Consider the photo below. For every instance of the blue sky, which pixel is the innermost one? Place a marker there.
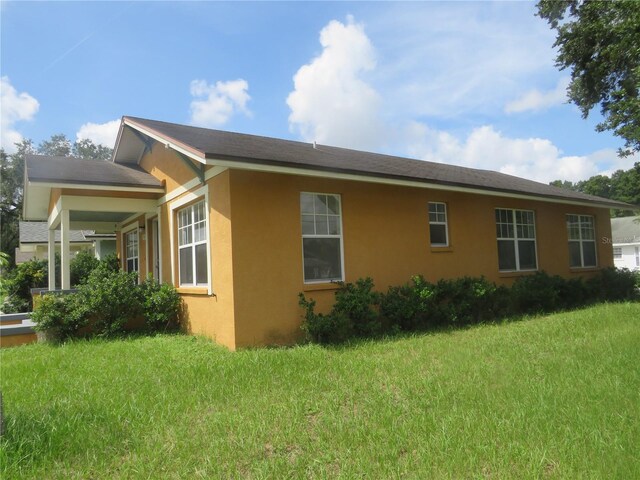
(469, 83)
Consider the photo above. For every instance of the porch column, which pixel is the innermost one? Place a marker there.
(52, 258)
(64, 249)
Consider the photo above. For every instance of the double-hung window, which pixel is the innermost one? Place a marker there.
(438, 231)
(516, 233)
(192, 245)
(582, 241)
(131, 250)
(617, 253)
(321, 237)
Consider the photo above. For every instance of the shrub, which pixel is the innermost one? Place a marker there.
(160, 305)
(422, 305)
(18, 282)
(61, 316)
(324, 329)
(468, 300)
(81, 266)
(358, 302)
(111, 300)
(613, 285)
(537, 293)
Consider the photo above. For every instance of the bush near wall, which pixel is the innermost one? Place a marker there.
(109, 304)
(419, 305)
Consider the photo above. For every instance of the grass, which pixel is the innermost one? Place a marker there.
(549, 397)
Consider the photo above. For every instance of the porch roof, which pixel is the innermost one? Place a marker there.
(77, 171)
(43, 173)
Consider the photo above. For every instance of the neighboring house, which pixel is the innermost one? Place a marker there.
(241, 224)
(625, 236)
(34, 242)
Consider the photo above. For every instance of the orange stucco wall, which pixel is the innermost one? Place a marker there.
(165, 165)
(204, 314)
(385, 235)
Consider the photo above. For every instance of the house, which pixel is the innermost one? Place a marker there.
(34, 242)
(241, 224)
(625, 236)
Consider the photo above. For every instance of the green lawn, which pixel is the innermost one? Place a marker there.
(550, 397)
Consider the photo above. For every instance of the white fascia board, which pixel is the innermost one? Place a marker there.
(118, 138)
(167, 143)
(107, 204)
(391, 181)
(93, 186)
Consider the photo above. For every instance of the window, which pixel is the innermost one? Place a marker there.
(617, 252)
(582, 241)
(321, 237)
(516, 232)
(192, 245)
(131, 250)
(438, 231)
(637, 256)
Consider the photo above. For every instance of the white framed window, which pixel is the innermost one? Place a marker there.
(516, 234)
(322, 255)
(438, 228)
(193, 267)
(131, 250)
(582, 241)
(637, 256)
(617, 252)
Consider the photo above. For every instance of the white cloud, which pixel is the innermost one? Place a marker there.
(16, 107)
(533, 158)
(535, 100)
(331, 101)
(100, 133)
(215, 104)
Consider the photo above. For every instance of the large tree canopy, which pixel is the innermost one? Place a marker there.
(623, 186)
(12, 177)
(600, 42)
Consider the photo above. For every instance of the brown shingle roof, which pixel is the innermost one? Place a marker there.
(70, 170)
(217, 144)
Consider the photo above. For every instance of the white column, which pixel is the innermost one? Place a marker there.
(64, 249)
(52, 259)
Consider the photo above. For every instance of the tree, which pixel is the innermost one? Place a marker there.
(600, 42)
(12, 178)
(563, 184)
(87, 149)
(57, 146)
(623, 186)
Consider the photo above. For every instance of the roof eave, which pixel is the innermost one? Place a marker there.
(115, 186)
(284, 167)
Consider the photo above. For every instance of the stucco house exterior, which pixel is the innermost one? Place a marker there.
(625, 236)
(241, 224)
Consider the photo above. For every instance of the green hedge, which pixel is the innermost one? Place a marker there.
(108, 304)
(419, 305)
